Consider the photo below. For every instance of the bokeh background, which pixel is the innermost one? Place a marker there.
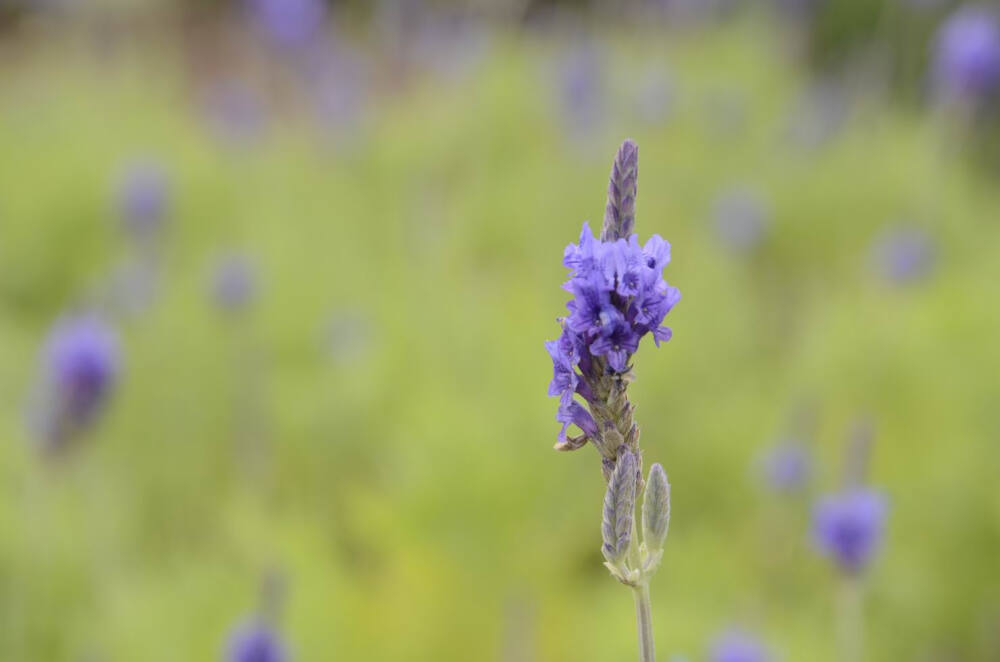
(328, 239)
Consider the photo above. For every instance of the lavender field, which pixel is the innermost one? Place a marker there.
(277, 278)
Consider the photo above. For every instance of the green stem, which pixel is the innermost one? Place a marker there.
(644, 621)
(850, 634)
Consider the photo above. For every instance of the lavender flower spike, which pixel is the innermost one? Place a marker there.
(619, 215)
(80, 366)
(619, 297)
(848, 527)
(255, 641)
(738, 646)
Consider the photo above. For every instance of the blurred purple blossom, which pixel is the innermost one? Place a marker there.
(234, 282)
(848, 527)
(654, 96)
(738, 646)
(819, 114)
(787, 466)
(741, 219)
(337, 80)
(580, 87)
(966, 65)
(235, 112)
(80, 363)
(289, 24)
(255, 641)
(143, 196)
(904, 255)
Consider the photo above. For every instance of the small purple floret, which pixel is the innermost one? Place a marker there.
(738, 646)
(255, 642)
(848, 527)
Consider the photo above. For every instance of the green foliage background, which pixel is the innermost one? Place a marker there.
(406, 489)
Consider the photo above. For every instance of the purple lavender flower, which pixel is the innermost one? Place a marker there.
(234, 283)
(904, 255)
(848, 527)
(255, 641)
(787, 466)
(80, 366)
(288, 24)
(143, 197)
(741, 219)
(738, 646)
(619, 296)
(966, 64)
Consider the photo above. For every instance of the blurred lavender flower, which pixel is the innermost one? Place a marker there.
(143, 199)
(904, 255)
(234, 282)
(337, 83)
(848, 527)
(741, 219)
(447, 44)
(235, 112)
(80, 365)
(289, 24)
(787, 466)
(255, 641)
(581, 89)
(966, 65)
(819, 115)
(654, 96)
(738, 646)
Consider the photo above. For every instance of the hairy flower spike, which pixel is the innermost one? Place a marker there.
(619, 215)
(656, 508)
(619, 297)
(619, 509)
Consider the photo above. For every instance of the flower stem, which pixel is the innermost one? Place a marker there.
(850, 620)
(644, 621)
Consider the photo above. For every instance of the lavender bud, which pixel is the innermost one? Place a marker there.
(619, 215)
(656, 508)
(619, 509)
